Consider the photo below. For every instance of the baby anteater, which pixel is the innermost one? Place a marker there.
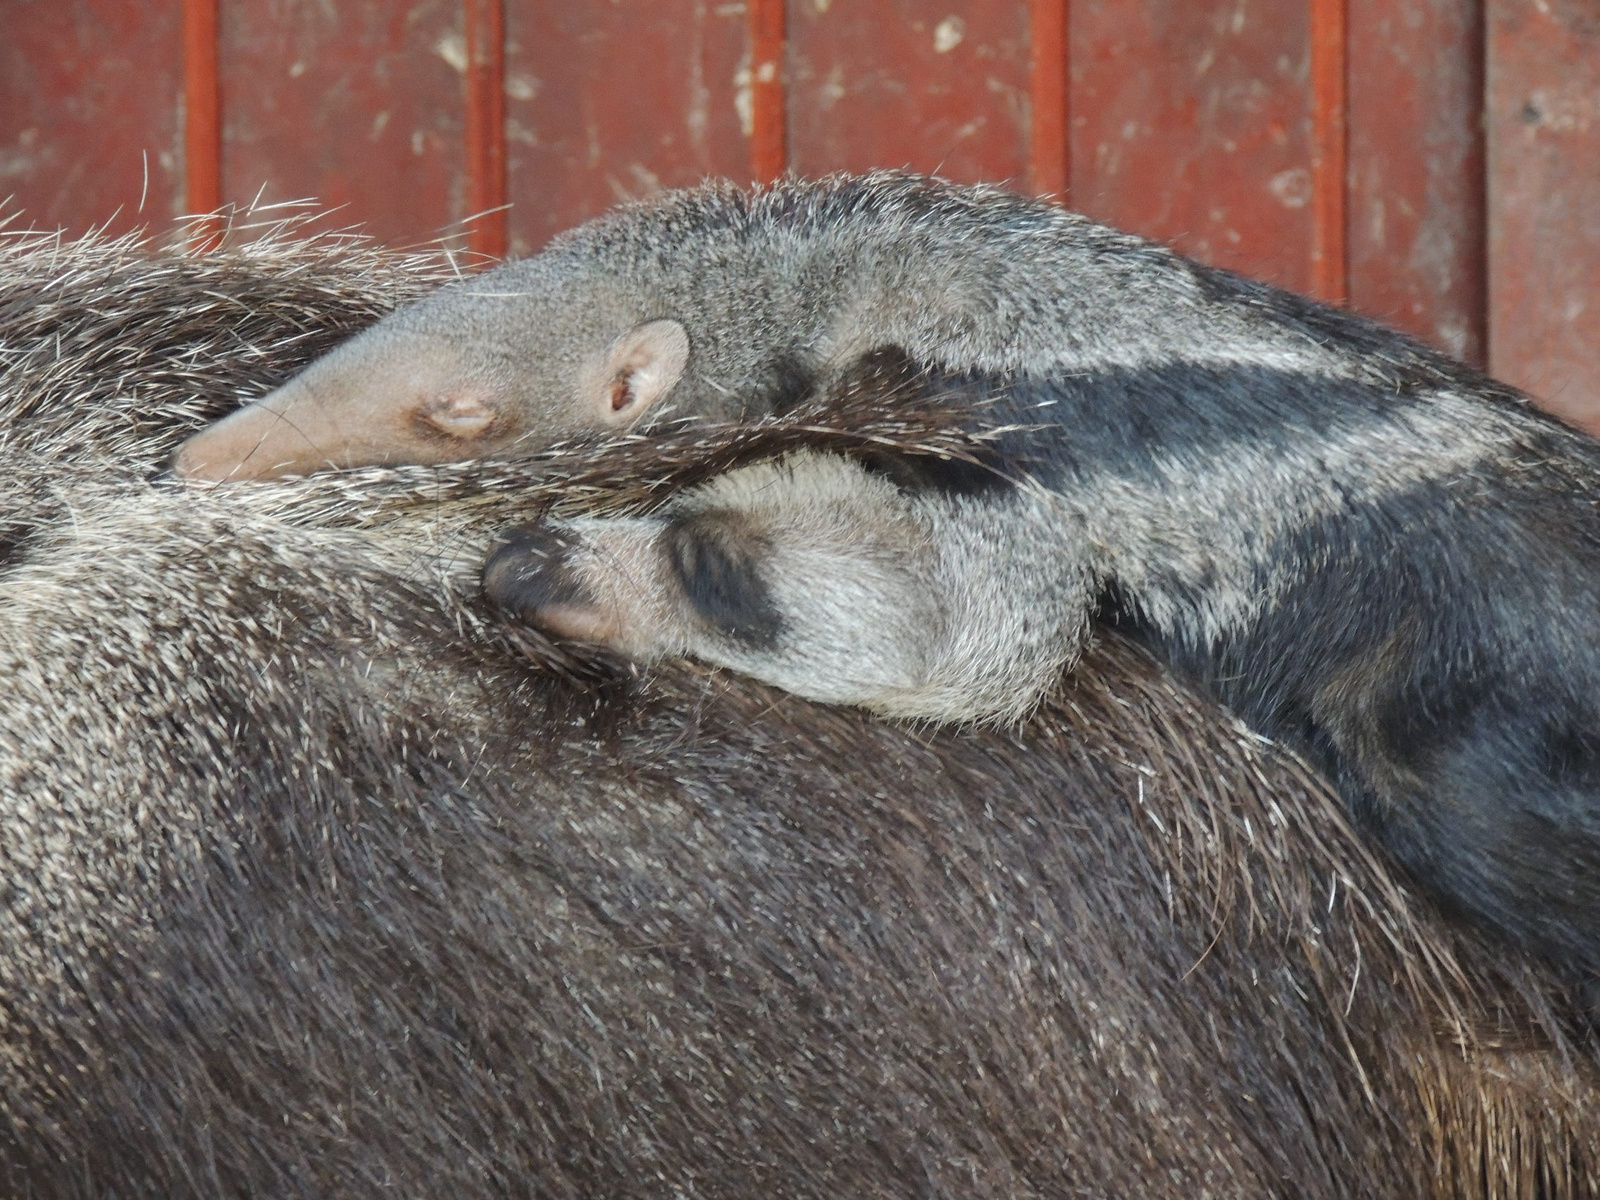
(1370, 552)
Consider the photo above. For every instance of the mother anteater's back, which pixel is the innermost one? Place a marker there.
(316, 886)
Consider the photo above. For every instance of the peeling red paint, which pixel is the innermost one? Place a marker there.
(632, 96)
(353, 105)
(90, 131)
(936, 85)
(1416, 209)
(1544, 201)
(1192, 124)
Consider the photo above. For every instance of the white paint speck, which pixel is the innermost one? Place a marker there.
(743, 103)
(522, 87)
(15, 163)
(452, 47)
(1291, 187)
(645, 179)
(1453, 335)
(948, 34)
(832, 90)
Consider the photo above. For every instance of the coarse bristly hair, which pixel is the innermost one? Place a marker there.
(316, 885)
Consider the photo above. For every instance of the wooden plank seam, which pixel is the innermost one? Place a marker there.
(202, 122)
(769, 118)
(1330, 74)
(485, 125)
(1049, 149)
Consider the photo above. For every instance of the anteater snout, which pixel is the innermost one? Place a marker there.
(531, 571)
(533, 576)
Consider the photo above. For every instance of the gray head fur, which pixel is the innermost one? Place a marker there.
(773, 290)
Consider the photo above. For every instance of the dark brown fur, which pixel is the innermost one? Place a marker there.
(316, 887)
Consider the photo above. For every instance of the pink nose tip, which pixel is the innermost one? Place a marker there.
(191, 462)
(253, 443)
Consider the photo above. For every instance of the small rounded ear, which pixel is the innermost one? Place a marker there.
(641, 367)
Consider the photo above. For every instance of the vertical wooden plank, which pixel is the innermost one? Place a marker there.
(485, 122)
(1330, 61)
(769, 110)
(90, 95)
(936, 85)
(1416, 218)
(1049, 168)
(610, 101)
(1544, 201)
(1191, 124)
(202, 120)
(358, 105)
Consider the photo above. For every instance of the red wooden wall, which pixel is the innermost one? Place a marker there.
(1435, 163)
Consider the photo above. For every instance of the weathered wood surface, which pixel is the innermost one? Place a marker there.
(91, 128)
(1191, 124)
(1416, 215)
(356, 105)
(925, 84)
(609, 101)
(1543, 121)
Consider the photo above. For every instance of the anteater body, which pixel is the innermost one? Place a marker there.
(318, 885)
(1373, 554)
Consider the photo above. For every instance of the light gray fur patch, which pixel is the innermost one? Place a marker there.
(1212, 524)
(913, 605)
